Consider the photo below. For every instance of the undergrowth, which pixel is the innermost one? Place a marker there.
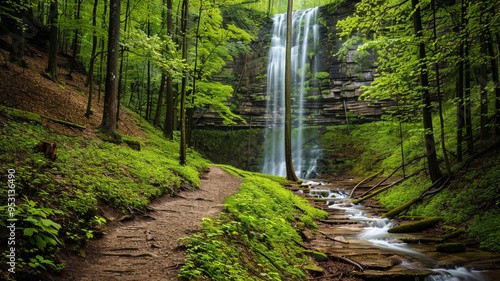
(255, 238)
(57, 201)
(471, 199)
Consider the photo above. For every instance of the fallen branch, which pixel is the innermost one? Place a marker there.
(357, 201)
(69, 124)
(361, 182)
(402, 165)
(333, 239)
(349, 261)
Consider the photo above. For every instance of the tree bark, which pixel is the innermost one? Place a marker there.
(90, 77)
(169, 118)
(156, 121)
(483, 81)
(120, 88)
(52, 64)
(185, 18)
(496, 81)
(430, 145)
(290, 172)
(109, 122)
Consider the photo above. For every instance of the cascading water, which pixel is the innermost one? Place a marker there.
(375, 233)
(305, 39)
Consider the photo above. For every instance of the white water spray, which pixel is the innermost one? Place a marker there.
(304, 41)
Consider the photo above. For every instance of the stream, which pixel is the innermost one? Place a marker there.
(385, 254)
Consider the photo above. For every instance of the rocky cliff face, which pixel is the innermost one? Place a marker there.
(332, 96)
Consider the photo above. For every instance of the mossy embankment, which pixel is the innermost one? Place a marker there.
(256, 238)
(470, 198)
(59, 203)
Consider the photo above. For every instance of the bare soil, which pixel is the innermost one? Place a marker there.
(147, 247)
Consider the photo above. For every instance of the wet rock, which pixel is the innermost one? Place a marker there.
(451, 248)
(373, 261)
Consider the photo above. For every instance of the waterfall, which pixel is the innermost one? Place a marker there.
(304, 41)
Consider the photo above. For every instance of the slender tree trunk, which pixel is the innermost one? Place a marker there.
(123, 50)
(496, 81)
(103, 25)
(76, 42)
(430, 145)
(52, 64)
(467, 99)
(149, 99)
(483, 82)
(185, 18)
(438, 83)
(90, 77)
(169, 118)
(460, 93)
(290, 172)
(156, 121)
(109, 121)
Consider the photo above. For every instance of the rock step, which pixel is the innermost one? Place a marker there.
(396, 273)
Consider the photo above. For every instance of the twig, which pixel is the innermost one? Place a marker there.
(333, 239)
(359, 266)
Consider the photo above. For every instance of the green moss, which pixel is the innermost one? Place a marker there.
(21, 114)
(451, 248)
(415, 226)
(454, 233)
(396, 211)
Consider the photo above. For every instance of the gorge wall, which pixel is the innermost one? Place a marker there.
(331, 96)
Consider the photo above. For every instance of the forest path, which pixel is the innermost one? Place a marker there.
(147, 248)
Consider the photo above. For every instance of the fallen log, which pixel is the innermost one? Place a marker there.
(361, 182)
(66, 123)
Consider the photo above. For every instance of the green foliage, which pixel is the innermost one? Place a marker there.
(62, 196)
(254, 239)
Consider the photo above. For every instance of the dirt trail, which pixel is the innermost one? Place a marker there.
(147, 248)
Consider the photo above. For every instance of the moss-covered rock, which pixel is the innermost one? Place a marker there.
(451, 248)
(455, 233)
(317, 256)
(415, 226)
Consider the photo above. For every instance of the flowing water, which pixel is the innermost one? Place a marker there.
(374, 233)
(304, 42)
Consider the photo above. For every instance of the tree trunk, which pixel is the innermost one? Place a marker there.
(52, 64)
(109, 121)
(169, 118)
(185, 16)
(156, 121)
(120, 90)
(430, 145)
(483, 82)
(90, 77)
(76, 43)
(290, 172)
(438, 83)
(467, 90)
(494, 73)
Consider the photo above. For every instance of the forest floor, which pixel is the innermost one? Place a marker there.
(147, 247)
(28, 89)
